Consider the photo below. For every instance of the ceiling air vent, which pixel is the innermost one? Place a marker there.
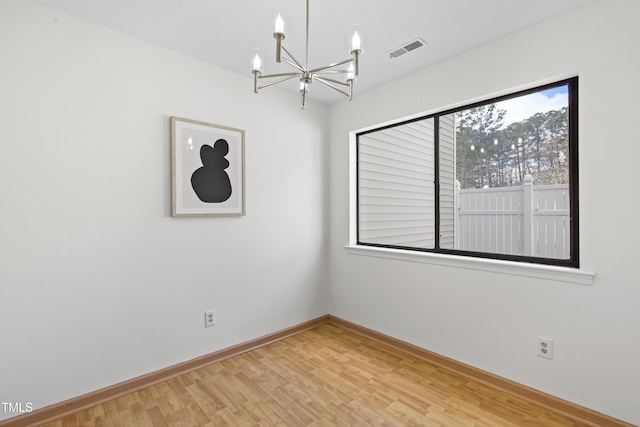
(407, 47)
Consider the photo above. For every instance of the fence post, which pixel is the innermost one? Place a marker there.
(527, 190)
(456, 218)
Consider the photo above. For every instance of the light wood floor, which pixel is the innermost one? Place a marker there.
(326, 376)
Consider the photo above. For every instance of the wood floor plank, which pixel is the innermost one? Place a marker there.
(325, 376)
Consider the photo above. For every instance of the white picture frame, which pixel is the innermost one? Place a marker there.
(207, 169)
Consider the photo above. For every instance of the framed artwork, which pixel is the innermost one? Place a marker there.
(207, 169)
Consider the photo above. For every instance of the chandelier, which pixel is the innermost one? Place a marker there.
(303, 73)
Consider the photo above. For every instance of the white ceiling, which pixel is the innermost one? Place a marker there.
(224, 32)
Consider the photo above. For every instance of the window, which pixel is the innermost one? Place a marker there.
(495, 179)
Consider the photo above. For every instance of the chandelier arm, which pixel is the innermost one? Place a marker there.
(275, 82)
(327, 79)
(333, 72)
(293, 58)
(294, 65)
(335, 64)
(326, 83)
(270, 76)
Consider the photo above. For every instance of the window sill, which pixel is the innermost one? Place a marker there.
(547, 272)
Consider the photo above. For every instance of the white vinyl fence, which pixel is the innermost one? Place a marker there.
(531, 220)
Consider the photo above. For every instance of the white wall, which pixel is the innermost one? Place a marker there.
(98, 283)
(491, 320)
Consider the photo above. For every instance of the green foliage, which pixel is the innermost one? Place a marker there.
(490, 154)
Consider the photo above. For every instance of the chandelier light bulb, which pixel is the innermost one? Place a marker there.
(356, 41)
(279, 24)
(473, 147)
(257, 63)
(495, 141)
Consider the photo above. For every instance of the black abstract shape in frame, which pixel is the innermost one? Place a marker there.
(210, 182)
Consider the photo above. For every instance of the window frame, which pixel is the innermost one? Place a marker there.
(574, 249)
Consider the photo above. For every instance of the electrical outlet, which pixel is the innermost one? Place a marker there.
(545, 347)
(209, 318)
